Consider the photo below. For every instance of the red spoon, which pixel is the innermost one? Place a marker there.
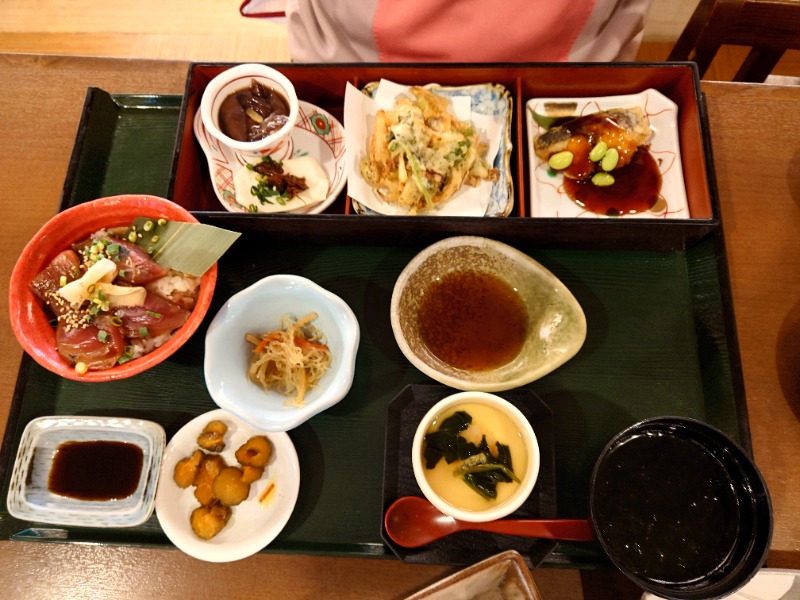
(412, 522)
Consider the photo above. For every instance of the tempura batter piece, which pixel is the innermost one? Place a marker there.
(212, 437)
(255, 452)
(208, 521)
(186, 469)
(209, 468)
(229, 488)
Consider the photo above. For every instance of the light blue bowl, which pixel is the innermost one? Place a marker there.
(257, 310)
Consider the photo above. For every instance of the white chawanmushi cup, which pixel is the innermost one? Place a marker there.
(524, 431)
(238, 78)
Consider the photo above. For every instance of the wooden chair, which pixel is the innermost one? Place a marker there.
(769, 27)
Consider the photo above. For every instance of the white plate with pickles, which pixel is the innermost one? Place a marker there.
(641, 179)
(246, 527)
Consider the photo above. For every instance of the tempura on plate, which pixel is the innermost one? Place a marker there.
(419, 154)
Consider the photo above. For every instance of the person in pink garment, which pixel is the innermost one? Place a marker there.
(465, 30)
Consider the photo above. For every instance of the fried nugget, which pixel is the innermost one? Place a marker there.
(186, 469)
(255, 452)
(208, 521)
(212, 437)
(251, 474)
(229, 488)
(208, 470)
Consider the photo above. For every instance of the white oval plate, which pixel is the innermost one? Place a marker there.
(317, 134)
(251, 527)
(548, 198)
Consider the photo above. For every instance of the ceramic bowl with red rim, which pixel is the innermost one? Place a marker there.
(31, 320)
(240, 78)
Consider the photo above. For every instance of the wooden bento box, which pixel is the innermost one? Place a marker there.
(324, 87)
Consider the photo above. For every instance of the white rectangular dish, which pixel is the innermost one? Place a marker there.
(548, 197)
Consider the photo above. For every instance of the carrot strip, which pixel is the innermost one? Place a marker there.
(270, 337)
(304, 343)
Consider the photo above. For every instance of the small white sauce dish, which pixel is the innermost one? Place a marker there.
(29, 496)
(526, 435)
(257, 310)
(239, 78)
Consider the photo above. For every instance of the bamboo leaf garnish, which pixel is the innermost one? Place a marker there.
(187, 247)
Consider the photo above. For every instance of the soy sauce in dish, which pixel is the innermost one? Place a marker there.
(97, 470)
(667, 508)
(473, 321)
(636, 188)
(253, 113)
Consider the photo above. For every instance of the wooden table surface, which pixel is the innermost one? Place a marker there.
(757, 155)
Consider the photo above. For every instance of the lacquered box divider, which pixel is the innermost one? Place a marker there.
(324, 86)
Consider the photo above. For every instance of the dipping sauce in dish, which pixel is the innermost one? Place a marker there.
(97, 470)
(253, 113)
(666, 506)
(447, 478)
(636, 188)
(473, 321)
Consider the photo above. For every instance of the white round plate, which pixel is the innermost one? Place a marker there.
(317, 134)
(251, 527)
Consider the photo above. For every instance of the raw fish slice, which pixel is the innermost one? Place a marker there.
(85, 344)
(48, 281)
(153, 318)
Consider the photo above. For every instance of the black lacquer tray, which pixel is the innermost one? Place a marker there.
(661, 333)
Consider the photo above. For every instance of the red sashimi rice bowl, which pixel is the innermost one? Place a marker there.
(31, 320)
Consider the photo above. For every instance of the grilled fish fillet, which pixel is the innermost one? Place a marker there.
(623, 128)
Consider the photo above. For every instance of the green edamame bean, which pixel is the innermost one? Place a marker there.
(598, 152)
(560, 160)
(610, 160)
(603, 179)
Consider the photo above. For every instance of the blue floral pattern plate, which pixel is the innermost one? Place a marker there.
(488, 99)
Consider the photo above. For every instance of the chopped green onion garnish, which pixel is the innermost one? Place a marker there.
(143, 331)
(112, 249)
(150, 313)
(102, 336)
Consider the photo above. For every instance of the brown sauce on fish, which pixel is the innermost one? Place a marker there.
(636, 188)
(97, 470)
(473, 321)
